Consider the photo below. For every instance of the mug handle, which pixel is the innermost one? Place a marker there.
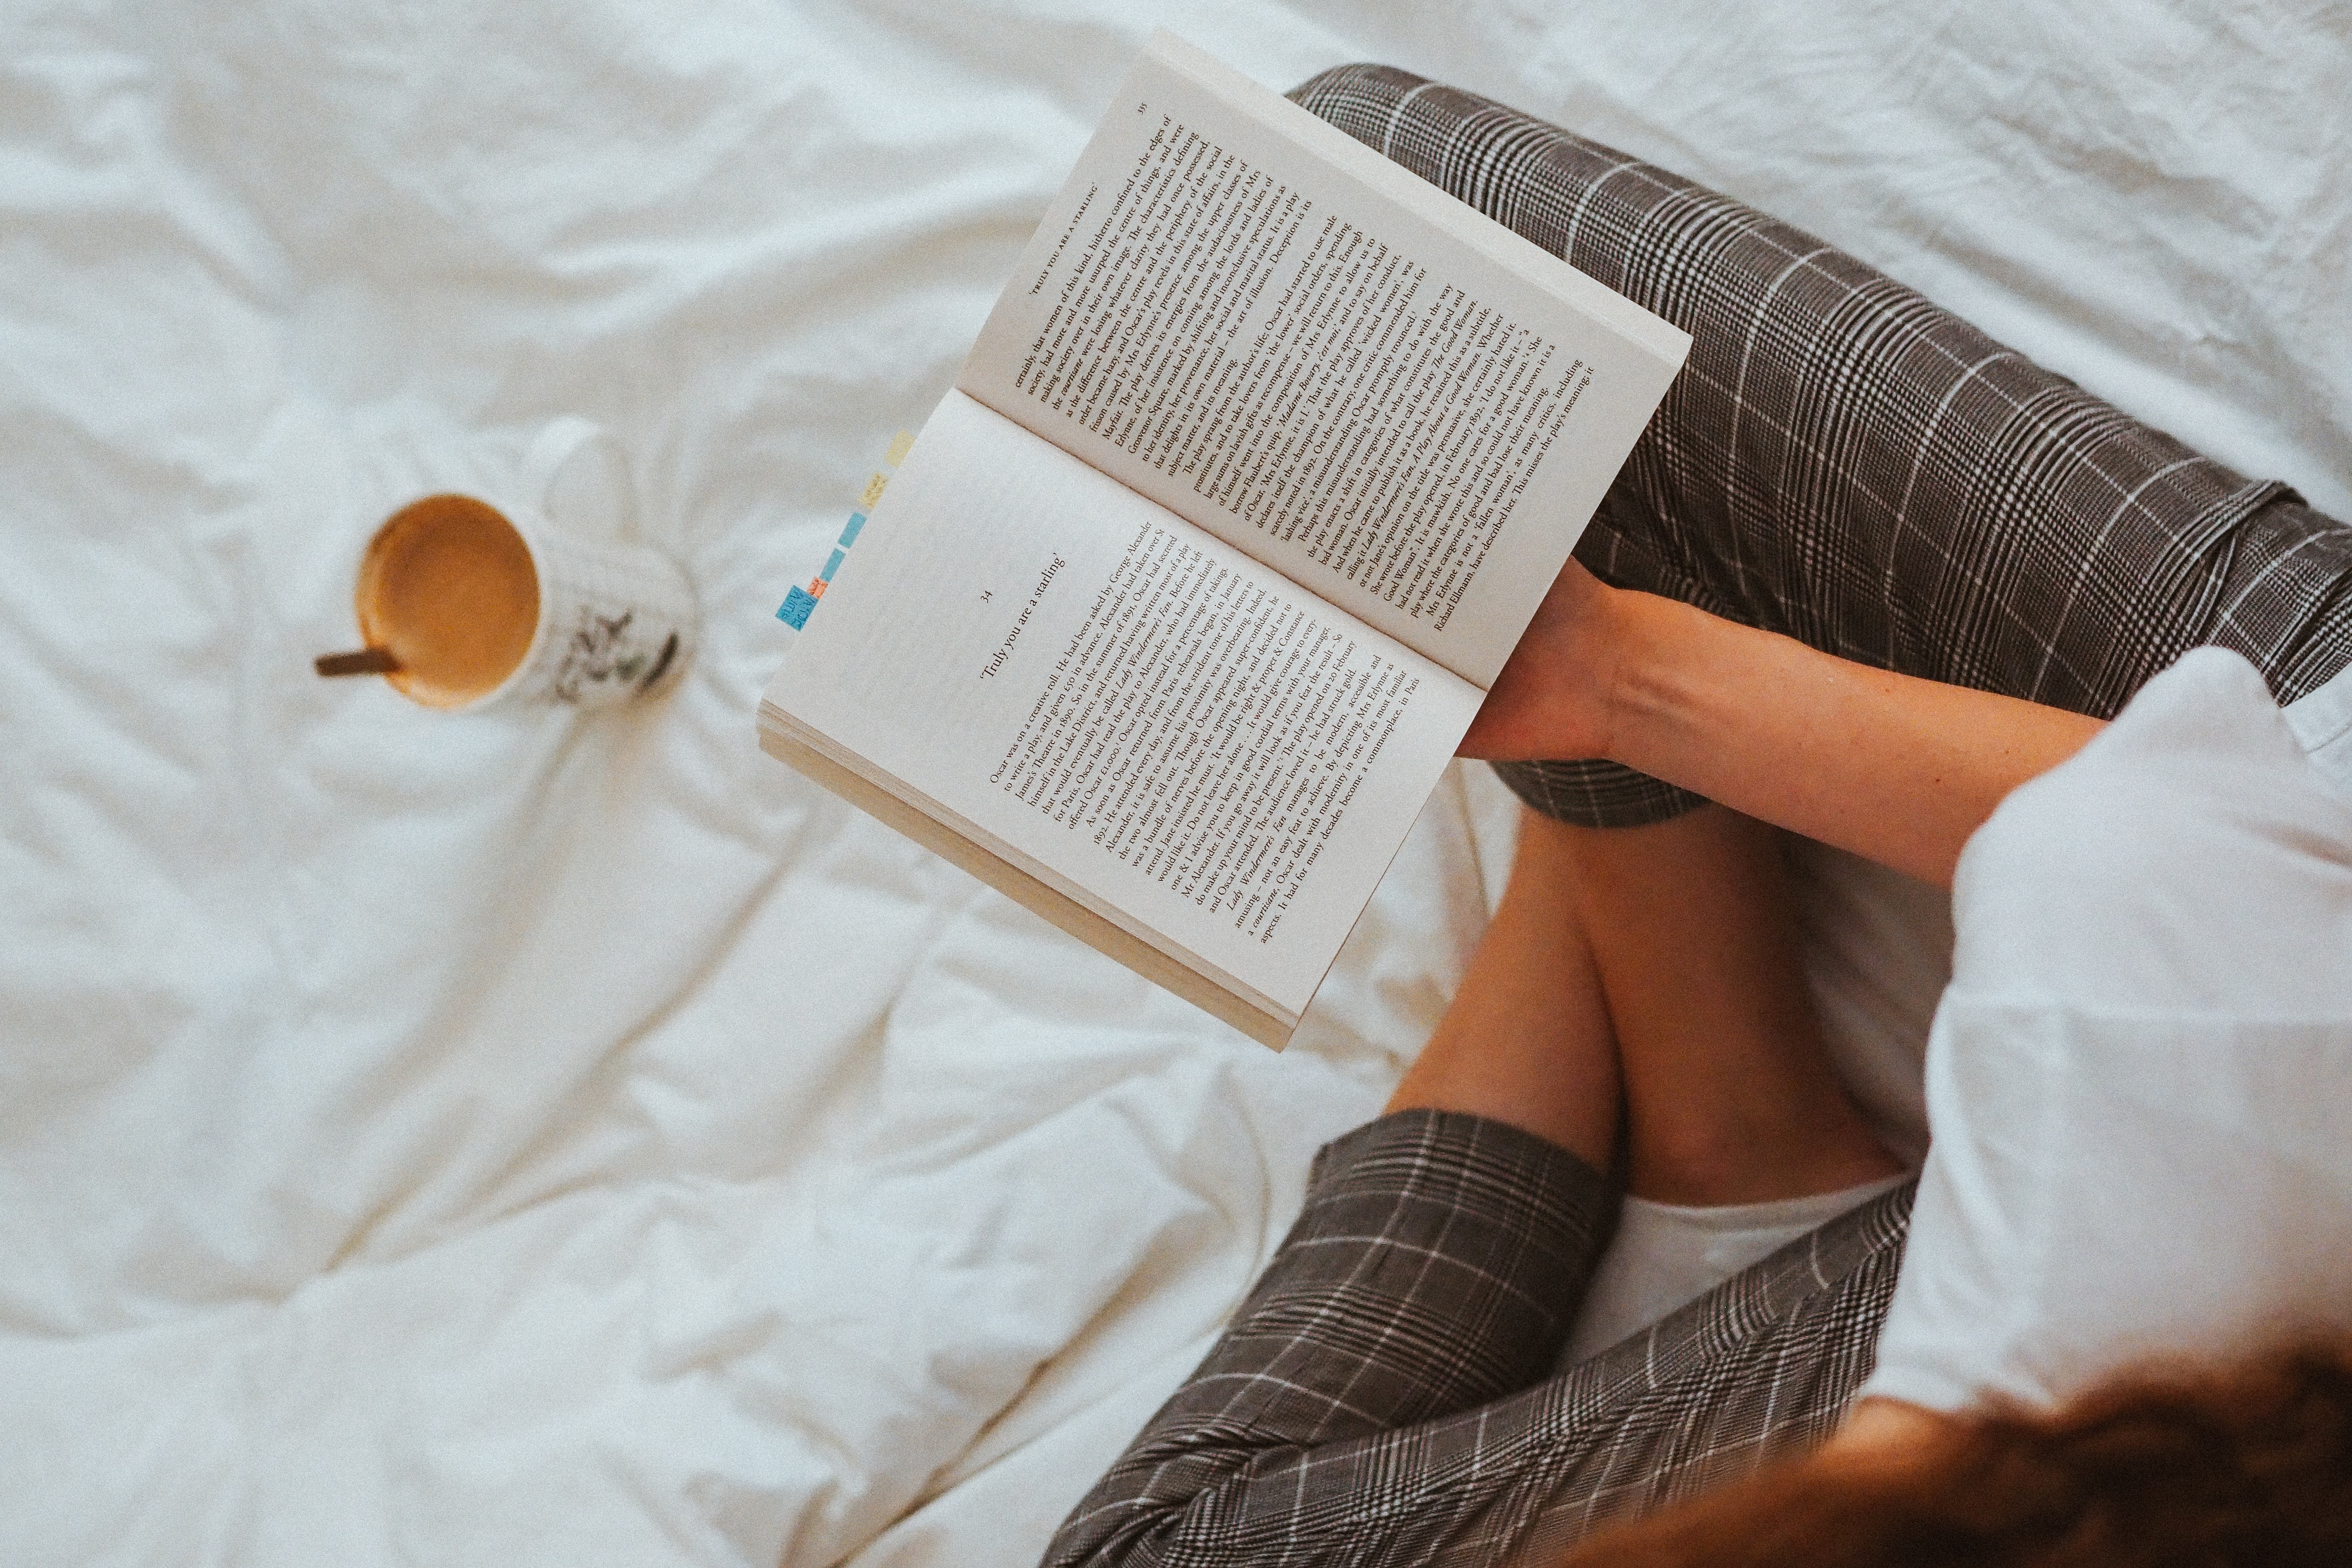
(579, 491)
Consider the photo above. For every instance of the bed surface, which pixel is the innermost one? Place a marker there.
(519, 1138)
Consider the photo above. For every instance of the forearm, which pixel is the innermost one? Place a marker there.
(1894, 768)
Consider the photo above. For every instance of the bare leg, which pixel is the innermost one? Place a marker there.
(1645, 978)
(1528, 1039)
(1729, 1094)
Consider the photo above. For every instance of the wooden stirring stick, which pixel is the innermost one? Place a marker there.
(366, 661)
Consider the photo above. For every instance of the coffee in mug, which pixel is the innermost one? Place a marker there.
(461, 604)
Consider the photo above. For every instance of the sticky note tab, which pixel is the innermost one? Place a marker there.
(794, 612)
(830, 567)
(899, 448)
(873, 492)
(849, 534)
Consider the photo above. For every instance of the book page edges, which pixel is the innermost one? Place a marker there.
(1522, 257)
(1260, 1020)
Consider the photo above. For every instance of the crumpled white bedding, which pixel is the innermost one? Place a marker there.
(506, 1138)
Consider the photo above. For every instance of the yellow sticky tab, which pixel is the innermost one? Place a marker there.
(873, 492)
(899, 447)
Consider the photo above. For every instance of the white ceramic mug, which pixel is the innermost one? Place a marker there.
(464, 601)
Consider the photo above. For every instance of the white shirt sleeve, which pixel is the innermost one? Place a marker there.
(2139, 1081)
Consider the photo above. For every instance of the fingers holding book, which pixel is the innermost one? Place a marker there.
(1552, 699)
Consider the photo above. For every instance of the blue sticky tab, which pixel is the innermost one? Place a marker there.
(797, 604)
(830, 567)
(849, 534)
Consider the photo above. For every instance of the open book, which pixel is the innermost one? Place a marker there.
(1173, 617)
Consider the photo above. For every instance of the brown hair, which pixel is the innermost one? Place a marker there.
(2248, 1463)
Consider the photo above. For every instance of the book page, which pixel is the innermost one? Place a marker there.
(1273, 332)
(1144, 716)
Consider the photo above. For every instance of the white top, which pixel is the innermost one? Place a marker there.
(1665, 1256)
(2139, 1080)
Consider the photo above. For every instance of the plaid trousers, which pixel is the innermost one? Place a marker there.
(1845, 463)
(1386, 1393)
(1840, 461)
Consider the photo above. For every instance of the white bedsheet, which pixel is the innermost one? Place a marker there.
(507, 1139)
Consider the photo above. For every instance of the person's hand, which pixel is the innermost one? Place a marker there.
(1552, 698)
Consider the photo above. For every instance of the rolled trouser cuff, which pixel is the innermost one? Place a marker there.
(1593, 793)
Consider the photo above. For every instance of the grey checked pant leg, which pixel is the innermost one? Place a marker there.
(1385, 1395)
(1844, 462)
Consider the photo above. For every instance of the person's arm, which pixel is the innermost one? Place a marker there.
(1894, 768)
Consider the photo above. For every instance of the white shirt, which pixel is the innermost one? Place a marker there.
(1664, 1256)
(2139, 1080)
